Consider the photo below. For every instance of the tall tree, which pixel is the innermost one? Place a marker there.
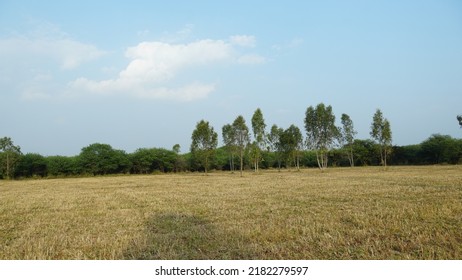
(291, 141)
(258, 128)
(274, 143)
(230, 143)
(241, 136)
(381, 132)
(9, 156)
(321, 132)
(459, 118)
(347, 137)
(204, 142)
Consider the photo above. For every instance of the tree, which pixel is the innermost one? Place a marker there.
(321, 132)
(274, 143)
(241, 136)
(204, 142)
(441, 149)
(9, 156)
(291, 142)
(258, 128)
(230, 143)
(31, 165)
(62, 165)
(347, 137)
(459, 118)
(102, 159)
(381, 132)
(365, 152)
(176, 148)
(142, 161)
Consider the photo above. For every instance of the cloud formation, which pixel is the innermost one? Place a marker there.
(153, 66)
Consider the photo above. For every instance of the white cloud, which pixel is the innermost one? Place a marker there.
(155, 63)
(153, 69)
(158, 62)
(243, 40)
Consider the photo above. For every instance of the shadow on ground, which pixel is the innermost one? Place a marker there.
(187, 237)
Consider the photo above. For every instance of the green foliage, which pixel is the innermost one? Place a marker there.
(365, 151)
(9, 157)
(229, 139)
(441, 149)
(102, 159)
(321, 131)
(407, 155)
(31, 165)
(58, 166)
(204, 142)
(144, 160)
(381, 132)
(274, 144)
(347, 137)
(276, 149)
(258, 128)
(242, 138)
(291, 142)
(459, 119)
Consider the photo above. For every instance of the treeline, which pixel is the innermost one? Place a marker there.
(324, 145)
(102, 159)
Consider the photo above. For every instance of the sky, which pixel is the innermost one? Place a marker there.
(141, 74)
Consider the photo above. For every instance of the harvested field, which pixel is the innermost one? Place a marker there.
(343, 213)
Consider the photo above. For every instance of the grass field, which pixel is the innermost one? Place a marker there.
(343, 213)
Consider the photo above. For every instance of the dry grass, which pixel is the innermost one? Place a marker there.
(360, 213)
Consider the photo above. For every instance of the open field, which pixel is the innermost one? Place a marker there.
(344, 213)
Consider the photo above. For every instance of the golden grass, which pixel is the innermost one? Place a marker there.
(343, 213)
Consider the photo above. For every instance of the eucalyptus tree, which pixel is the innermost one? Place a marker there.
(321, 132)
(229, 140)
(381, 132)
(258, 128)
(274, 143)
(241, 136)
(347, 137)
(204, 142)
(9, 156)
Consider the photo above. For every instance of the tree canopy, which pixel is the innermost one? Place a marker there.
(381, 132)
(242, 138)
(204, 142)
(321, 132)
(9, 157)
(279, 148)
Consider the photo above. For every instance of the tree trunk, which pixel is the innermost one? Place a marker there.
(7, 166)
(319, 159)
(242, 161)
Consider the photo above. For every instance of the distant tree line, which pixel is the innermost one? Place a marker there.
(324, 145)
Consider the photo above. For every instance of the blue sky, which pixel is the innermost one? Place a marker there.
(138, 74)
